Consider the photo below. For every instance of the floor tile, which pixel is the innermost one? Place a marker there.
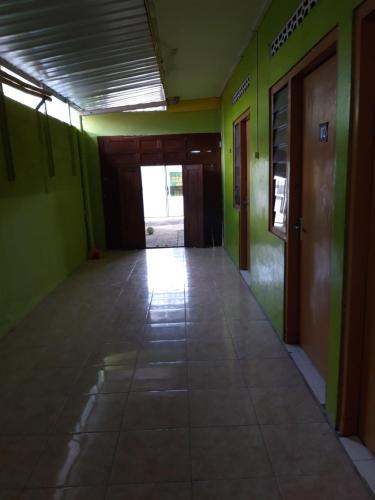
(70, 493)
(106, 379)
(152, 491)
(43, 381)
(67, 369)
(228, 452)
(219, 408)
(223, 374)
(275, 372)
(326, 487)
(168, 300)
(257, 340)
(204, 313)
(65, 355)
(114, 354)
(165, 331)
(237, 489)
(207, 330)
(156, 409)
(97, 413)
(207, 350)
(152, 456)
(248, 311)
(18, 457)
(29, 415)
(160, 376)
(167, 315)
(162, 350)
(75, 459)
(304, 449)
(285, 405)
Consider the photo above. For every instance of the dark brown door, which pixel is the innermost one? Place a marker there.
(112, 204)
(319, 144)
(367, 393)
(131, 205)
(244, 200)
(193, 205)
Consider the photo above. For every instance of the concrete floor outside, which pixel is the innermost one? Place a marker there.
(168, 232)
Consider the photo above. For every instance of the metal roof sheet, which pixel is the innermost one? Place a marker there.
(96, 53)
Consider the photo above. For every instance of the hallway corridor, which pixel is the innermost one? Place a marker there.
(154, 375)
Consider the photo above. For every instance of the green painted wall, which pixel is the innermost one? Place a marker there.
(144, 123)
(267, 251)
(42, 231)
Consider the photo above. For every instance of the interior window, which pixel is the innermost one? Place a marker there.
(279, 163)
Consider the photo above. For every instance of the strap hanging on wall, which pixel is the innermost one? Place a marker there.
(71, 144)
(47, 135)
(5, 137)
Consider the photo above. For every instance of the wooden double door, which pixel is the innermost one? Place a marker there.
(130, 218)
(121, 161)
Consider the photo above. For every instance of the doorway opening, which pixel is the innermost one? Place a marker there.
(241, 185)
(163, 205)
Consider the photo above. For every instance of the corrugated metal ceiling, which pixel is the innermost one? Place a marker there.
(96, 53)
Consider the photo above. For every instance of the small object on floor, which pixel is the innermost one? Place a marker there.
(150, 230)
(95, 253)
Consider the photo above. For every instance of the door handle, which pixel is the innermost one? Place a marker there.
(299, 227)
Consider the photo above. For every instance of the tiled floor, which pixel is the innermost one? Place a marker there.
(168, 232)
(154, 375)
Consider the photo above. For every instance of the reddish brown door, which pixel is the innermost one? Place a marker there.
(367, 393)
(111, 204)
(131, 203)
(244, 200)
(193, 205)
(319, 143)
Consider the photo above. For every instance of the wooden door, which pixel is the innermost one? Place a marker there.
(244, 199)
(193, 205)
(367, 392)
(111, 204)
(131, 206)
(318, 160)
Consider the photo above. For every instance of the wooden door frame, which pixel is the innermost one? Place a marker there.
(166, 149)
(323, 51)
(358, 211)
(244, 240)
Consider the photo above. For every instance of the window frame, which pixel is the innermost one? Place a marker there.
(237, 123)
(280, 233)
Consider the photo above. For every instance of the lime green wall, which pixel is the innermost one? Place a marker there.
(42, 231)
(267, 251)
(144, 123)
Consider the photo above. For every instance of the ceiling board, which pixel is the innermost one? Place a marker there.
(202, 40)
